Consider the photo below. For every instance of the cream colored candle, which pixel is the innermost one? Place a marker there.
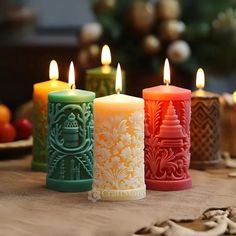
(118, 147)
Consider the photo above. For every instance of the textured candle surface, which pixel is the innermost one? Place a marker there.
(167, 138)
(70, 140)
(228, 125)
(40, 124)
(118, 148)
(205, 130)
(101, 80)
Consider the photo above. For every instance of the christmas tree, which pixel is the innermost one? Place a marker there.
(190, 33)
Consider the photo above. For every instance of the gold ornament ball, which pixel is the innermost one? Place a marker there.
(178, 51)
(151, 44)
(172, 29)
(168, 9)
(141, 16)
(90, 33)
(104, 5)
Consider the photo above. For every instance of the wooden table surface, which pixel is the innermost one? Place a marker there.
(27, 207)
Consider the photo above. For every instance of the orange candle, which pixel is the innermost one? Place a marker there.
(40, 97)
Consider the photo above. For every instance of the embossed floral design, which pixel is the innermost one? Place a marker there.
(166, 156)
(94, 196)
(118, 151)
(76, 150)
(172, 165)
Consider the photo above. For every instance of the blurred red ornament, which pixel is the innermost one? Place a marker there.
(23, 128)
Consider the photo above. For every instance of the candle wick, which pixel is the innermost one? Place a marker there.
(72, 86)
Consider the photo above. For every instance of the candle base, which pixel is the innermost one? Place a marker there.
(203, 165)
(169, 185)
(121, 195)
(69, 185)
(39, 166)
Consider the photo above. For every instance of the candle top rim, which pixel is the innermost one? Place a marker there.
(71, 95)
(166, 92)
(96, 70)
(71, 92)
(50, 82)
(204, 94)
(119, 98)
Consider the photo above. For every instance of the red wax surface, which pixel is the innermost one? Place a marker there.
(167, 138)
(166, 92)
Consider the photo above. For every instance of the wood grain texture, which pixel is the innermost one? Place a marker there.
(28, 208)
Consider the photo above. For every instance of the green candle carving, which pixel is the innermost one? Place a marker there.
(70, 140)
(101, 80)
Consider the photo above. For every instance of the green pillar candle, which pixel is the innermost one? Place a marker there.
(101, 80)
(70, 140)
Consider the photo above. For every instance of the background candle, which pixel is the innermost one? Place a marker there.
(167, 136)
(70, 139)
(40, 131)
(228, 123)
(118, 148)
(205, 127)
(101, 80)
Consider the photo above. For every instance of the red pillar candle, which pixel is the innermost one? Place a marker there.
(167, 136)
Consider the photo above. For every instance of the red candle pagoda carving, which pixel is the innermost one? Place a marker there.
(167, 138)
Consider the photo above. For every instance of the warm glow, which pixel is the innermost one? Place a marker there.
(72, 75)
(234, 97)
(53, 70)
(118, 79)
(106, 56)
(200, 79)
(166, 77)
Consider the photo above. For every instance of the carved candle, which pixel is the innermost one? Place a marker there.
(205, 127)
(70, 139)
(118, 147)
(228, 123)
(40, 131)
(101, 80)
(167, 136)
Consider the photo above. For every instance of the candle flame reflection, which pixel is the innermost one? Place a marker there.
(166, 77)
(72, 76)
(118, 79)
(200, 79)
(53, 70)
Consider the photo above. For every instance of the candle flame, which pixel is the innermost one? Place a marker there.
(72, 76)
(106, 56)
(118, 79)
(234, 97)
(53, 70)
(166, 77)
(200, 79)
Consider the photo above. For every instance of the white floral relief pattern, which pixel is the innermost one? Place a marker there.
(118, 151)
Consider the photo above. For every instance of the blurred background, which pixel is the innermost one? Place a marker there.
(140, 33)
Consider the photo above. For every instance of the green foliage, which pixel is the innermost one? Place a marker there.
(209, 48)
